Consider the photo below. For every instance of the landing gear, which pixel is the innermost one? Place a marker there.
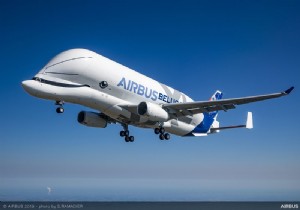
(122, 133)
(156, 130)
(129, 138)
(167, 136)
(60, 108)
(162, 134)
(125, 133)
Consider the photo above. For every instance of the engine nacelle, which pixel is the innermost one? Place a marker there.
(91, 119)
(153, 112)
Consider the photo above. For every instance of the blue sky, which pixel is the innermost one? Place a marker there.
(240, 47)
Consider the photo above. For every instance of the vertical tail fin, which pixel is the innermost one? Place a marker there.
(218, 95)
(209, 119)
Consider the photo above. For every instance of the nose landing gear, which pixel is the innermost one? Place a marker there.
(60, 108)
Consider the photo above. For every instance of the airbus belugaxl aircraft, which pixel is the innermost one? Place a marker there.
(122, 95)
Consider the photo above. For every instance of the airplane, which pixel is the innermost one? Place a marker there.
(124, 96)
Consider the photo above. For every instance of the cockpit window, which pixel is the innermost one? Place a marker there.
(36, 79)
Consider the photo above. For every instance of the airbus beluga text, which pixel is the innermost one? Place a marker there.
(122, 95)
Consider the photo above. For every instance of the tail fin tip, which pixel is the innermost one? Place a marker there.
(217, 96)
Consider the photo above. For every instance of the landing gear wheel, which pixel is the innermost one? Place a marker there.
(126, 133)
(161, 130)
(161, 137)
(59, 110)
(167, 136)
(127, 139)
(122, 133)
(131, 138)
(156, 130)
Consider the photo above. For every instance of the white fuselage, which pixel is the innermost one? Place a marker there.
(83, 77)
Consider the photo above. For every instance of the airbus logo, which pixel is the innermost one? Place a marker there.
(289, 206)
(145, 91)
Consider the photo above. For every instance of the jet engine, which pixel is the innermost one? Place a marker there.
(91, 119)
(152, 111)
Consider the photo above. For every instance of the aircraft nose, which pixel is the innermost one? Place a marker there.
(25, 84)
(29, 86)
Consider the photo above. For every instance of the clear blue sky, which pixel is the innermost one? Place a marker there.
(240, 47)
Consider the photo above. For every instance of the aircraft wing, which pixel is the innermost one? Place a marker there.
(189, 108)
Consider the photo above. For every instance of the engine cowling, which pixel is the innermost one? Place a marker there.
(153, 112)
(91, 119)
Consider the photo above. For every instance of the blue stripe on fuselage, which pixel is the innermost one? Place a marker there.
(208, 119)
(206, 123)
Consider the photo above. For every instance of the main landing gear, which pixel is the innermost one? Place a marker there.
(60, 108)
(162, 134)
(125, 133)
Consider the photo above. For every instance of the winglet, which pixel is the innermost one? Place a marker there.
(288, 91)
(249, 122)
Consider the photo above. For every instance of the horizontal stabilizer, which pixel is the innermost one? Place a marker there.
(199, 134)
